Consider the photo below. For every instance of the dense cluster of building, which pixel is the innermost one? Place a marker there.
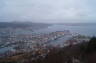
(14, 43)
(26, 42)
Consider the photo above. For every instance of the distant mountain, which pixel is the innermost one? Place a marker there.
(21, 25)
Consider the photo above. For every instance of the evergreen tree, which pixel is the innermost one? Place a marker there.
(91, 45)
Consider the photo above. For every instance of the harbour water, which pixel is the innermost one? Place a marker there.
(88, 30)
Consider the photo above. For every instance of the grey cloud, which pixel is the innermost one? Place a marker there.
(43, 10)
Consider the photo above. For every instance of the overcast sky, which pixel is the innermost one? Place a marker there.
(48, 11)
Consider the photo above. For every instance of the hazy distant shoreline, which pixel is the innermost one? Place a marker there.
(82, 28)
